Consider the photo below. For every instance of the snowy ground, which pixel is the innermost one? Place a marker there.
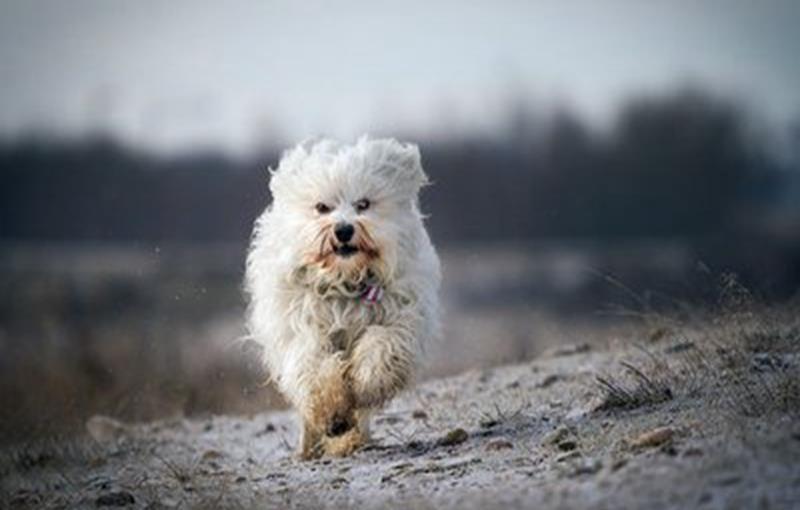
(684, 417)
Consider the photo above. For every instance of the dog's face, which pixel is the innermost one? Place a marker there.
(348, 211)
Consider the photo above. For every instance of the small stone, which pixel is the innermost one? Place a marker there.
(121, 498)
(454, 437)
(498, 444)
(389, 420)
(568, 350)
(652, 438)
(557, 436)
(693, 452)
(210, 455)
(549, 381)
(567, 445)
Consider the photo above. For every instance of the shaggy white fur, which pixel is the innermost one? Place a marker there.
(333, 348)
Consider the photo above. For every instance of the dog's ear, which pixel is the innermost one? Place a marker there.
(398, 163)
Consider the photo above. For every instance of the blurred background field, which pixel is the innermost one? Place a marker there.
(581, 177)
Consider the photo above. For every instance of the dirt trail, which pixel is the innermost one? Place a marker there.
(542, 433)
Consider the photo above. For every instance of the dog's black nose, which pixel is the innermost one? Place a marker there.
(343, 232)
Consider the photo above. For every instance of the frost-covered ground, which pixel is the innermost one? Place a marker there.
(680, 417)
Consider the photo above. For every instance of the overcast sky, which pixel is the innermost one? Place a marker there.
(172, 74)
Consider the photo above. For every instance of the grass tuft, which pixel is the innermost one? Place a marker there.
(636, 390)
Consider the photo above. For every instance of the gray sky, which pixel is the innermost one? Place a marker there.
(172, 74)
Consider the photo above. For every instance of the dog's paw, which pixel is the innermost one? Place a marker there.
(339, 424)
(344, 444)
(311, 452)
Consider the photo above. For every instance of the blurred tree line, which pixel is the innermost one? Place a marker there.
(684, 165)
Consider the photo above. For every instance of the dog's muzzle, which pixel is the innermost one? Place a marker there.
(344, 232)
(345, 250)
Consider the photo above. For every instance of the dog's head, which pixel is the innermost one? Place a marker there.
(349, 212)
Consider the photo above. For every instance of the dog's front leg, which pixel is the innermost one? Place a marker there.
(310, 446)
(381, 364)
(328, 410)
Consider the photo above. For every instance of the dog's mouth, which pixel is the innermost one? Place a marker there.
(345, 250)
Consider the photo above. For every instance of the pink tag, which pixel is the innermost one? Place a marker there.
(372, 294)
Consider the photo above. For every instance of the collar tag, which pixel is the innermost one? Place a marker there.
(372, 294)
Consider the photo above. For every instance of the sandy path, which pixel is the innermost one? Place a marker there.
(514, 436)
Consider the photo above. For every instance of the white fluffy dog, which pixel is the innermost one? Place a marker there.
(343, 283)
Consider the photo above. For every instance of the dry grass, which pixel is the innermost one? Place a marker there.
(136, 347)
(637, 390)
(742, 355)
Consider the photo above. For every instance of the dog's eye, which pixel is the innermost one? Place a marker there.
(362, 205)
(322, 208)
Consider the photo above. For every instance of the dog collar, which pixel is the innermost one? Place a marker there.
(372, 294)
